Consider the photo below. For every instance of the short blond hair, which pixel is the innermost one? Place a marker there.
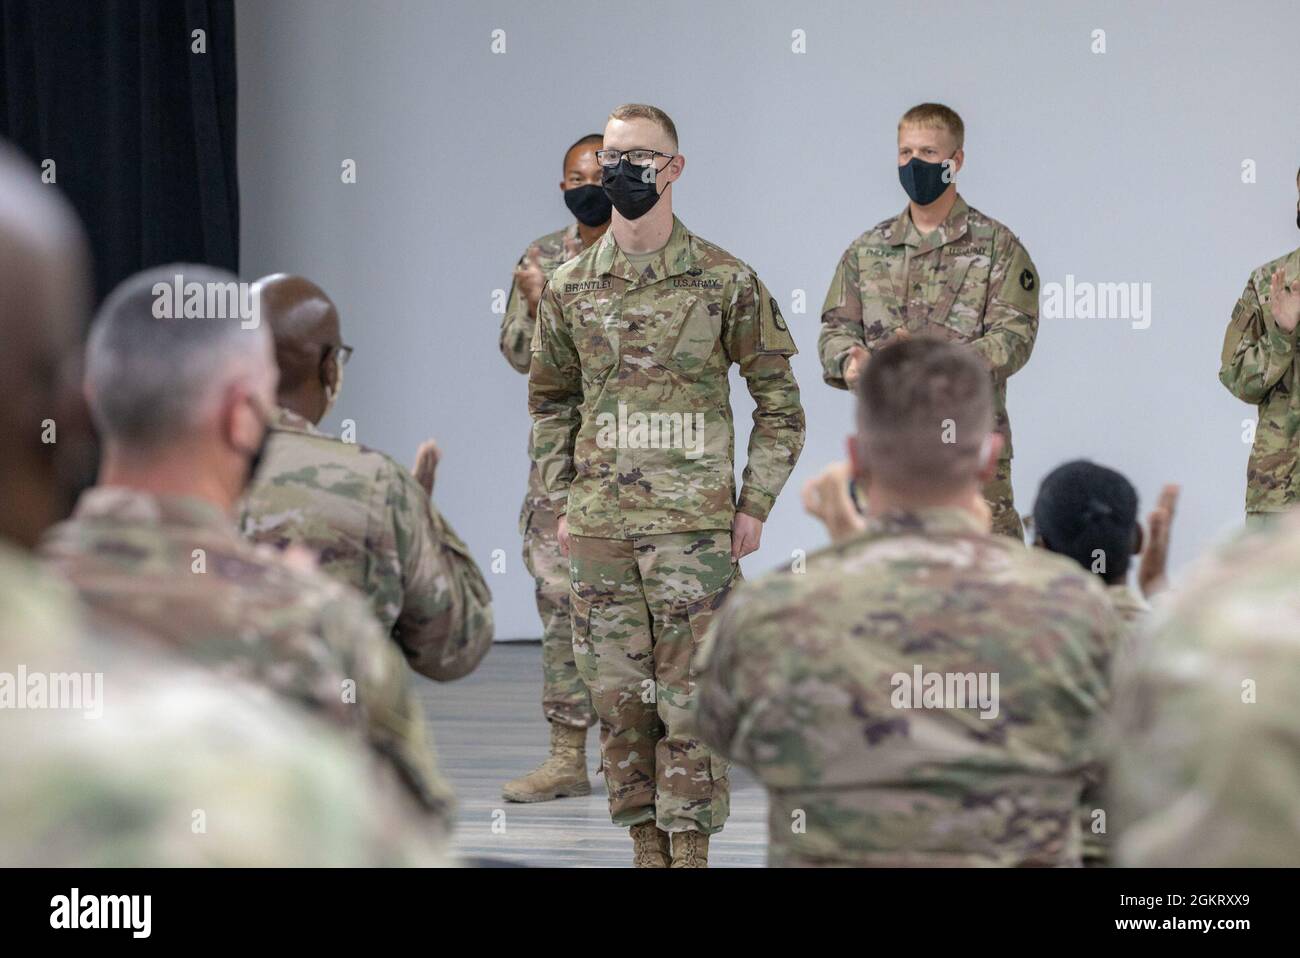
(644, 111)
(935, 116)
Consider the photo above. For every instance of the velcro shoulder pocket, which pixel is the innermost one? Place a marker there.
(773, 333)
(1020, 285)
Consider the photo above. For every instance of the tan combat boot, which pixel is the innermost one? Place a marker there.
(690, 850)
(563, 774)
(649, 846)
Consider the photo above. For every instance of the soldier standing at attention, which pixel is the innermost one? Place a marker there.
(633, 436)
(369, 521)
(925, 693)
(1258, 367)
(942, 267)
(181, 402)
(566, 702)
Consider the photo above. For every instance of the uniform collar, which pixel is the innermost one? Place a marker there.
(676, 257)
(932, 521)
(143, 508)
(1125, 600)
(1292, 267)
(903, 232)
(286, 420)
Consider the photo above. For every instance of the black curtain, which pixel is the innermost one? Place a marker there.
(141, 128)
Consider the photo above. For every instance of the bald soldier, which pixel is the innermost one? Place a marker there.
(369, 522)
(180, 390)
(1206, 772)
(941, 267)
(633, 437)
(1258, 366)
(924, 693)
(566, 702)
(166, 740)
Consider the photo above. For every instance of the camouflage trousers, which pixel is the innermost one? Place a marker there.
(640, 610)
(565, 699)
(998, 494)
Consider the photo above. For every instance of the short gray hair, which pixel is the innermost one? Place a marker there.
(152, 378)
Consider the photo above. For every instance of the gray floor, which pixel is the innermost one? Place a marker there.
(488, 728)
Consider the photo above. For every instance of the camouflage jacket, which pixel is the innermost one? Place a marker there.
(1258, 365)
(517, 324)
(160, 776)
(371, 525)
(810, 681)
(629, 394)
(174, 569)
(970, 281)
(516, 346)
(1131, 609)
(1129, 606)
(1206, 773)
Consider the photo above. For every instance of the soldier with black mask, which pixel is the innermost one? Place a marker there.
(566, 703)
(939, 267)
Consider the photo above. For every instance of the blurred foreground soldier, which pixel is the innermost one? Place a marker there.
(108, 755)
(633, 436)
(1258, 367)
(368, 521)
(941, 267)
(1089, 513)
(1207, 771)
(925, 693)
(118, 757)
(180, 394)
(566, 702)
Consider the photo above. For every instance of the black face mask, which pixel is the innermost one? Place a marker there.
(588, 204)
(922, 181)
(627, 188)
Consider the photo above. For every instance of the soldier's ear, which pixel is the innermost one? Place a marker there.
(329, 369)
(857, 460)
(675, 167)
(990, 450)
(958, 161)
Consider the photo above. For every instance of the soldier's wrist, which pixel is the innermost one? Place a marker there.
(755, 504)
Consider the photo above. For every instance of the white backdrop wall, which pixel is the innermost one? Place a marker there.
(1116, 166)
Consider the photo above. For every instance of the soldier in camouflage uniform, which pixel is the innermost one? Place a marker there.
(1089, 513)
(633, 436)
(183, 768)
(1258, 365)
(1206, 772)
(368, 521)
(942, 267)
(810, 679)
(180, 404)
(123, 788)
(566, 702)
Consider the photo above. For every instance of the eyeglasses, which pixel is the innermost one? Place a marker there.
(611, 158)
(343, 352)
